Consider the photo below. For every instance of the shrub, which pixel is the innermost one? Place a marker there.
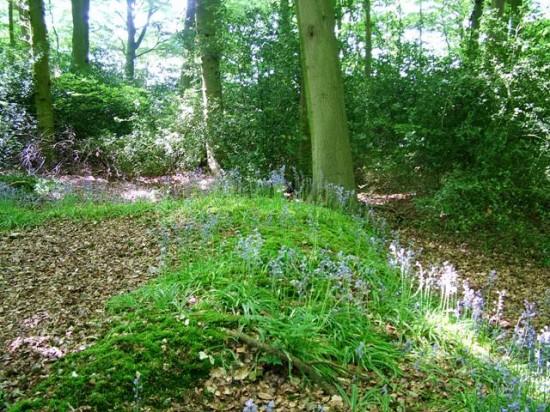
(90, 107)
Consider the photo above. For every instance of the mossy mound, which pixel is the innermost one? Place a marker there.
(144, 362)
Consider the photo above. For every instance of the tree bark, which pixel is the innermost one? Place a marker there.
(368, 39)
(41, 77)
(498, 5)
(475, 24)
(11, 23)
(81, 35)
(186, 79)
(24, 22)
(207, 12)
(130, 52)
(331, 153)
(515, 14)
(304, 156)
(133, 43)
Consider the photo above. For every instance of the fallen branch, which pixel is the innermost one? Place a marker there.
(300, 365)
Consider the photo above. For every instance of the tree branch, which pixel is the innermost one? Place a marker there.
(300, 365)
(145, 26)
(158, 43)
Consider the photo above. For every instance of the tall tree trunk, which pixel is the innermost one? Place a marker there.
(186, 79)
(498, 5)
(81, 35)
(207, 13)
(515, 14)
(475, 24)
(133, 43)
(368, 39)
(331, 154)
(421, 23)
(497, 30)
(130, 52)
(304, 156)
(41, 77)
(11, 22)
(22, 7)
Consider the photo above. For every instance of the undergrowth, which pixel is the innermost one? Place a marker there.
(305, 285)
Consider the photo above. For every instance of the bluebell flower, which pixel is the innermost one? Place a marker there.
(249, 248)
(250, 406)
(360, 350)
(270, 407)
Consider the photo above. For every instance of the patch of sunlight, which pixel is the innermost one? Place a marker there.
(461, 332)
(134, 195)
(465, 334)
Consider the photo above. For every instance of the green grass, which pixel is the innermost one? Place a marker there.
(307, 280)
(15, 214)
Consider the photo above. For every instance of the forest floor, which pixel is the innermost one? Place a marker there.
(513, 272)
(56, 278)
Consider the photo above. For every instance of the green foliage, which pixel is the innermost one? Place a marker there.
(90, 107)
(17, 126)
(147, 358)
(259, 130)
(470, 134)
(168, 139)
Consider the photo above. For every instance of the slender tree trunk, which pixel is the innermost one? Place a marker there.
(81, 35)
(368, 39)
(41, 77)
(421, 23)
(22, 7)
(515, 14)
(207, 13)
(498, 5)
(133, 43)
(186, 79)
(130, 52)
(11, 23)
(287, 36)
(475, 24)
(331, 154)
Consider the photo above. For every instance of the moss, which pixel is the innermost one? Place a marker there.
(161, 349)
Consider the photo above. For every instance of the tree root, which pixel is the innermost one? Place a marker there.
(299, 364)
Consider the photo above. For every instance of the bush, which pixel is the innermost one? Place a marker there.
(17, 126)
(169, 139)
(91, 108)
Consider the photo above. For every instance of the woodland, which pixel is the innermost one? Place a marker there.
(275, 205)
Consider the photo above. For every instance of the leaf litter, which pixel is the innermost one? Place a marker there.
(54, 282)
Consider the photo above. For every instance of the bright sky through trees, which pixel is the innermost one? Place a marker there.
(108, 31)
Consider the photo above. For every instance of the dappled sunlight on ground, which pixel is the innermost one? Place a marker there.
(378, 199)
(142, 188)
(518, 277)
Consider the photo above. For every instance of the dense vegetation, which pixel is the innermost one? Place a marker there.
(303, 287)
(461, 120)
(444, 103)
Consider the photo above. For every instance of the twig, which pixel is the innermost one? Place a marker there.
(300, 365)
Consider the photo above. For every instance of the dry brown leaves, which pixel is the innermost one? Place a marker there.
(54, 281)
